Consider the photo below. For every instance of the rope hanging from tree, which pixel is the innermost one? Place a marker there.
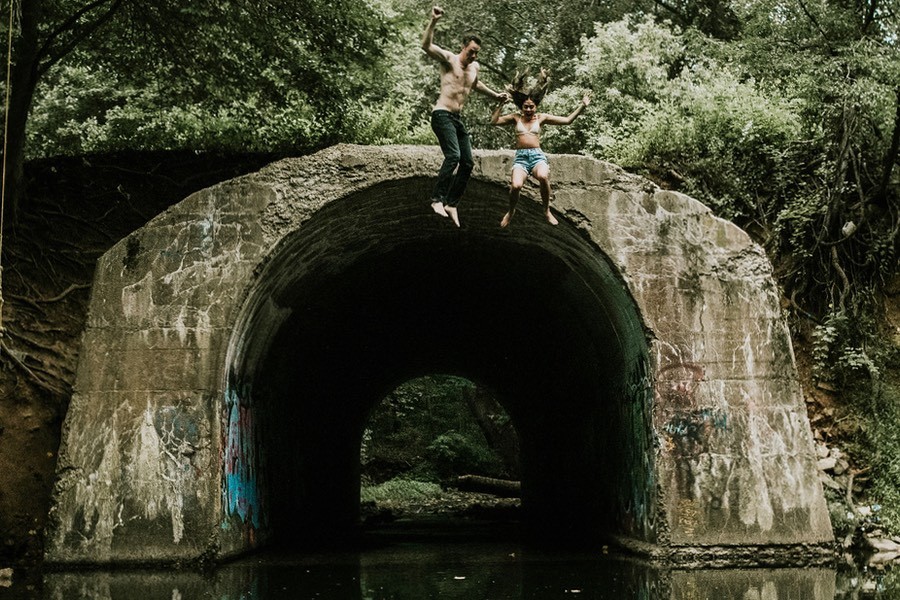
(12, 5)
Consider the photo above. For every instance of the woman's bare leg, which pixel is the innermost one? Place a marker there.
(542, 173)
(518, 180)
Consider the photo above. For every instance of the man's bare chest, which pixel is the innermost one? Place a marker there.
(456, 75)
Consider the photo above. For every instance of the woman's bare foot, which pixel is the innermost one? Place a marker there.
(438, 207)
(506, 219)
(452, 213)
(550, 218)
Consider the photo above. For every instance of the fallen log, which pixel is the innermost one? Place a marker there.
(504, 488)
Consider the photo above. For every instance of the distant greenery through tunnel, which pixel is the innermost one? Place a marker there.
(431, 434)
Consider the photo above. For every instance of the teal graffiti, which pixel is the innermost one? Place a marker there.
(241, 486)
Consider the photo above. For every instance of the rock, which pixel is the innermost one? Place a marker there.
(828, 482)
(869, 586)
(881, 558)
(883, 545)
(6, 576)
(827, 464)
(841, 467)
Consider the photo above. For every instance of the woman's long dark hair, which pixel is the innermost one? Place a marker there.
(521, 91)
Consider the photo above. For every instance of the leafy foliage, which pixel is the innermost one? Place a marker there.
(453, 454)
(208, 75)
(424, 430)
(879, 441)
(398, 489)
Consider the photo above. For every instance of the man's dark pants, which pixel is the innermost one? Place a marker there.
(457, 148)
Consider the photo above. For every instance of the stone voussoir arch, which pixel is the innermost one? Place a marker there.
(676, 407)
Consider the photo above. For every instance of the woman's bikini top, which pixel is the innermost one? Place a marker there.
(535, 127)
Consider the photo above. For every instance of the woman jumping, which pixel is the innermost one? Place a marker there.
(530, 160)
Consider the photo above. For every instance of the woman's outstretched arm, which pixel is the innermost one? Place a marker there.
(557, 120)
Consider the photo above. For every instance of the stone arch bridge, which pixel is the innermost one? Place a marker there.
(237, 343)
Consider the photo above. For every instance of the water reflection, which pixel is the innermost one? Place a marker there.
(471, 571)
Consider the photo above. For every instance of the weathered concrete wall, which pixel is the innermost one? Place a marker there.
(142, 453)
(163, 457)
(735, 465)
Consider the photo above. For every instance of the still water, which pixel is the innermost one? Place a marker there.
(455, 567)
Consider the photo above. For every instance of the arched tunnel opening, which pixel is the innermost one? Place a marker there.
(373, 291)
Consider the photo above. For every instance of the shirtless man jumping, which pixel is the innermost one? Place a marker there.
(459, 76)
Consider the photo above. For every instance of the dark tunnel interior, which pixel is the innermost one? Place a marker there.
(536, 314)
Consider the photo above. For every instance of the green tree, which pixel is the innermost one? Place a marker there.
(841, 63)
(230, 59)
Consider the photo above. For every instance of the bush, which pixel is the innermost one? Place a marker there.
(400, 490)
(880, 406)
(838, 351)
(454, 454)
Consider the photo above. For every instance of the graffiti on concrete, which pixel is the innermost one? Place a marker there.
(688, 427)
(637, 500)
(696, 425)
(157, 453)
(242, 482)
(714, 478)
(676, 383)
(161, 462)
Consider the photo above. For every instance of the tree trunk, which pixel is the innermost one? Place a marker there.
(23, 81)
(501, 437)
(505, 488)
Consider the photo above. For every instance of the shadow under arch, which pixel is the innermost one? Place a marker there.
(372, 291)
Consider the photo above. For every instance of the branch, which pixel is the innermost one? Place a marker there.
(495, 71)
(842, 164)
(25, 300)
(813, 20)
(793, 302)
(871, 11)
(844, 281)
(17, 362)
(675, 11)
(65, 292)
(70, 25)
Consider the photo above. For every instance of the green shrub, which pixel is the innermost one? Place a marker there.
(838, 351)
(454, 454)
(400, 490)
(880, 406)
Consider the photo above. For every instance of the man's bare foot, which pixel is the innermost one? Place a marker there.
(438, 207)
(452, 213)
(506, 219)
(550, 218)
